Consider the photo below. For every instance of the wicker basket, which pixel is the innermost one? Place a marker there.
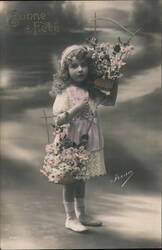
(104, 84)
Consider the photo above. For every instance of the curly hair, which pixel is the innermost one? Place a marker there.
(62, 78)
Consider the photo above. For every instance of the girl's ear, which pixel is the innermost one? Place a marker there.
(69, 60)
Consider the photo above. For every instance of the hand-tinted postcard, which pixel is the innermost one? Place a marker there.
(80, 85)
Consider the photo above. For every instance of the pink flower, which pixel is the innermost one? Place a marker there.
(43, 172)
(50, 162)
(71, 149)
(128, 48)
(120, 63)
(62, 135)
(79, 155)
(49, 148)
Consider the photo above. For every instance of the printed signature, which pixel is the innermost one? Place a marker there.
(124, 178)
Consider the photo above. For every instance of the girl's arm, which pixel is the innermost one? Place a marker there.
(63, 113)
(107, 100)
(67, 116)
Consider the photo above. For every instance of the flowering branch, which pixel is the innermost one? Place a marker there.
(108, 58)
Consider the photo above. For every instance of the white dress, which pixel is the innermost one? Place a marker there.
(65, 101)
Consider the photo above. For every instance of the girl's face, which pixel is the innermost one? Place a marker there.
(78, 70)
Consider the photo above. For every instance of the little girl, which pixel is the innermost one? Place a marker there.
(75, 104)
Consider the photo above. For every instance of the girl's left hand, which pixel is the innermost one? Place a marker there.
(81, 109)
(84, 108)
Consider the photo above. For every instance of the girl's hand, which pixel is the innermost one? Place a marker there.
(80, 108)
(83, 106)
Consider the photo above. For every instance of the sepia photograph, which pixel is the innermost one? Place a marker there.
(80, 109)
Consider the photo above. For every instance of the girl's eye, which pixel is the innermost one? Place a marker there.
(84, 64)
(74, 66)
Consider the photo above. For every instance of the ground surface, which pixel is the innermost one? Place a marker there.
(33, 218)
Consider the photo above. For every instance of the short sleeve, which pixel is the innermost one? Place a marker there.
(61, 103)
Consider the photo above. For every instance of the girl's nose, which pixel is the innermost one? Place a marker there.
(80, 69)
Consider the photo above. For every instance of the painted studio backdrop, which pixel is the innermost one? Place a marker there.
(32, 36)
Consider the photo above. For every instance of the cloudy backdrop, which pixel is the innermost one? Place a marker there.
(132, 129)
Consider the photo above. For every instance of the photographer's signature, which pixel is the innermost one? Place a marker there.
(124, 177)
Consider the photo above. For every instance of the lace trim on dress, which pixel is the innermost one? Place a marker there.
(96, 166)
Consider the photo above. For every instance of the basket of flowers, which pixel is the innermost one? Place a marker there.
(64, 161)
(108, 61)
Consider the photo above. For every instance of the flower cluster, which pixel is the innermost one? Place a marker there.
(64, 161)
(109, 58)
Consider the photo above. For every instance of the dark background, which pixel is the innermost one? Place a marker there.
(32, 214)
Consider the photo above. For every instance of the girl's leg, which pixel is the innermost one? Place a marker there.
(79, 198)
(80, 206)
(79, 192)
(68, 201)
(68, 192)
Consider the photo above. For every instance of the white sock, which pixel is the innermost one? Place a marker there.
(79, 207)
(69, 209)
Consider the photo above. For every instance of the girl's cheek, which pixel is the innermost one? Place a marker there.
(86, 70)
